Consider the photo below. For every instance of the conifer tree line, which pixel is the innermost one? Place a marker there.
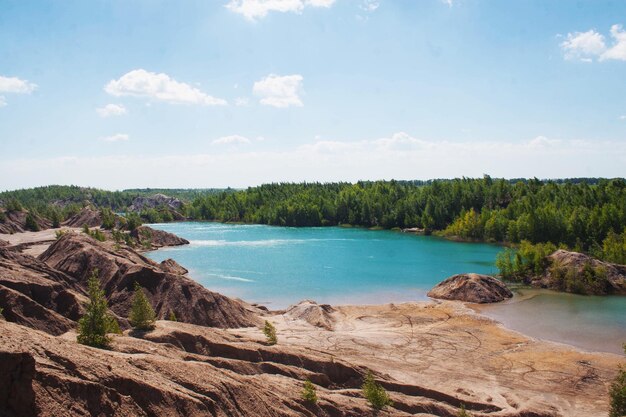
(583, 214)
(576, 214)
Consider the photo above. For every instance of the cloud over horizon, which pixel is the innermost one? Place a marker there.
(398, 156)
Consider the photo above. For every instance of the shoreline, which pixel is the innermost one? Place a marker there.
(438, 353)
(35, 243)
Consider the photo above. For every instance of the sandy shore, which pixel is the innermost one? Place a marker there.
(446, 347)
(449, 348)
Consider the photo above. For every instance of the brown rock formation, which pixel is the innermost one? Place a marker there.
(170, 265)
(87, 216)
(152, 238)
(155, 201)
(613, 280)
(473, 288)
(15, 222)
(37, 296)
(77, 255)
(318, 315)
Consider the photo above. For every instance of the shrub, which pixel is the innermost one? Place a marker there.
(142, 315)
(133, 221)
(374, 393)
(309, 393)
(172, 316)
(60, 233)
(463, 412)
(31, 223)
(108, 218)
(270, 333)
(617, 393)
(96, 323)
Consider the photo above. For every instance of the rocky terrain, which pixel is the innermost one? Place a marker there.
(153, 238)
(15, 221)
(88, 216)
(473, 288)
(611, 281)
(155, 201)
(432, 357)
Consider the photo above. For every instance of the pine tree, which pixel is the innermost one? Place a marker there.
(374, 393)
(142, 316)
(96, 323)
(309, 393)
(172, 316)
(270, 333)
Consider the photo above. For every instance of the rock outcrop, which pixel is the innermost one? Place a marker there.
(155, 201)
(87, 216)
(15, 222)
(170, 265)
(78, 255)
(577, 272)
(472, 288)
(176, 370)
(151, 238)
(37, 296)
(318, 315)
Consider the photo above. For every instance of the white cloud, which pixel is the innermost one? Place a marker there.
(111, 110)
(369, 5)
(399, 156)
(618, 49)
(231, 140)
(448, 2)
(120, 137)
(585, 46)
(242, 101)
(15, 85)
(279, 91)
(142, 83)
(255, 9)
(622, 117)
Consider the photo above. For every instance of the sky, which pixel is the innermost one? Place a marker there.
(152, 93)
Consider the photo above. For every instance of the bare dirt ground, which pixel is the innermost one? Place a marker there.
(445, 347)
(449, 348)
(34, 243)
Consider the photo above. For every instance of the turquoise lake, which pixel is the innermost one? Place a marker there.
(279, 266)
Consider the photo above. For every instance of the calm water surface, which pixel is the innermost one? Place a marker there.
(279, 266)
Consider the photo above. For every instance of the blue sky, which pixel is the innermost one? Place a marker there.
(217, 93)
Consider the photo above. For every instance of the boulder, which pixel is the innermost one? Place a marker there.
(318, 315)
(472, 288)
(170, 265)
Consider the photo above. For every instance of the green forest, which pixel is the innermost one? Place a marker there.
(584, 214)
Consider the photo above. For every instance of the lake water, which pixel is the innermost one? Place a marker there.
(279, 266)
